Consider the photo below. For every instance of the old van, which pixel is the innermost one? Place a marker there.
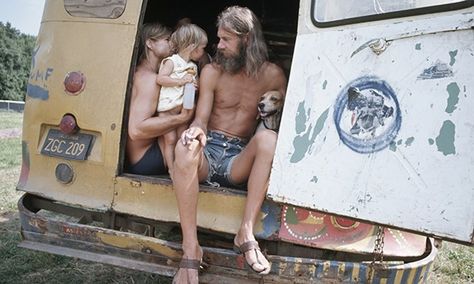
(374, 156)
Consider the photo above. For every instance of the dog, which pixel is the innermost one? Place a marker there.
(269, 110)
(369, 110)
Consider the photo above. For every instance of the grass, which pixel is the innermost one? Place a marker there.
(10, 119)
(454, 263)
(10, 149)
(18, 265)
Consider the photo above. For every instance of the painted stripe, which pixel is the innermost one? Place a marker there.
(327, 266)
(355, 273)
(347, 271)
(341, 268)
(398, 276)
(297, 267)
(319, 270)
(375, 278)
(36, 92)
(312, 271)
(411, 277)
(393, 276)
(282, 267)
(406, 272)
(422, 279)
(428, 270)
(416, 279)
(363, 274)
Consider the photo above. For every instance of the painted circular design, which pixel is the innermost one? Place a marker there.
(344, 223)
(315, 227)
(367, 115)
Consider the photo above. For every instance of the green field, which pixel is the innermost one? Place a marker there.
(454, 264)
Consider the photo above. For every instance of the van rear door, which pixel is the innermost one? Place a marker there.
(377, 123)
(80, 68)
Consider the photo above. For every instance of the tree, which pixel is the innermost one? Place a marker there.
(15, 62)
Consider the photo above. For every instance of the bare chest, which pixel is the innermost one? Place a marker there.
(238, 92)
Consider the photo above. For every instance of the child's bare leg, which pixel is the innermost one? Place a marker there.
(169, 139)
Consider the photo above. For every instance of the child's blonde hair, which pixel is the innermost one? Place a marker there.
(187, 35)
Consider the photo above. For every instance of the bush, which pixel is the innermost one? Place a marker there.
(15, 61)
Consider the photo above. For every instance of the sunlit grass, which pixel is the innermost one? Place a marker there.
(10, 119)
(18, 265)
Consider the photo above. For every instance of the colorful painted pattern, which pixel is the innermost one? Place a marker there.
(321, 230)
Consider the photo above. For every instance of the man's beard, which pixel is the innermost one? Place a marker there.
(231, 63)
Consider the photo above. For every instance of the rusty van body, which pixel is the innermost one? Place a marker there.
(375, 127)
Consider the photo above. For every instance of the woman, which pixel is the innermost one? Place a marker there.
(144, 154)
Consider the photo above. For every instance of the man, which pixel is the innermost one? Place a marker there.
(230, 90)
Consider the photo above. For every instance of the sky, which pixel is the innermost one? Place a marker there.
(24, 15)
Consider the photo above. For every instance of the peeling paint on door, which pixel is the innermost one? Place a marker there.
(453, 99)
(302, 143)
(445, 139)
(452, 55)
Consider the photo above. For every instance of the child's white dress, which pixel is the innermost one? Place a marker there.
(171, 97)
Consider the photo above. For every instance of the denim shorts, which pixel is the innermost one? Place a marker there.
(220, 152)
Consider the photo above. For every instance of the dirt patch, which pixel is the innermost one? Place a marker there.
(10, 133)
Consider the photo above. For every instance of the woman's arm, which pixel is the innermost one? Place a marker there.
(143, 124)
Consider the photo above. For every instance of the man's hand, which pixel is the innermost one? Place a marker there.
(193, 133)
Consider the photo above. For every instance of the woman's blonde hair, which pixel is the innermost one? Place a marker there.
(243, 22)
(153, 31)
(187, 35)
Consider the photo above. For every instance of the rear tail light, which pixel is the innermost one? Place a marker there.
(68, 124)
(64, 173)
(74, 83)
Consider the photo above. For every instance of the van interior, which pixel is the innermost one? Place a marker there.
(279, 19)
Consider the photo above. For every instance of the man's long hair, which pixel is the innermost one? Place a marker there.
(243, 22)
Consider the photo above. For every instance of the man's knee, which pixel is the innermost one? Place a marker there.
(186, 158)
(266, 141)
(170, 138)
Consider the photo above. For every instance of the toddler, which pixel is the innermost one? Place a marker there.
(188, 43)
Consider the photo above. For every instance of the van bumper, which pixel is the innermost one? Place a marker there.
(150, 254)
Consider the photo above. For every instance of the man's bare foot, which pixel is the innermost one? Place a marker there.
(253, 255)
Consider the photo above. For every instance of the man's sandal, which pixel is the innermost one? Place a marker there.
(195, 264)
(251, 246)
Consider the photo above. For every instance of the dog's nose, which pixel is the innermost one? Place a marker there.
(261, 105)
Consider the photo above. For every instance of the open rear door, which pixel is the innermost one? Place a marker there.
(80, 69)
(378, 121)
